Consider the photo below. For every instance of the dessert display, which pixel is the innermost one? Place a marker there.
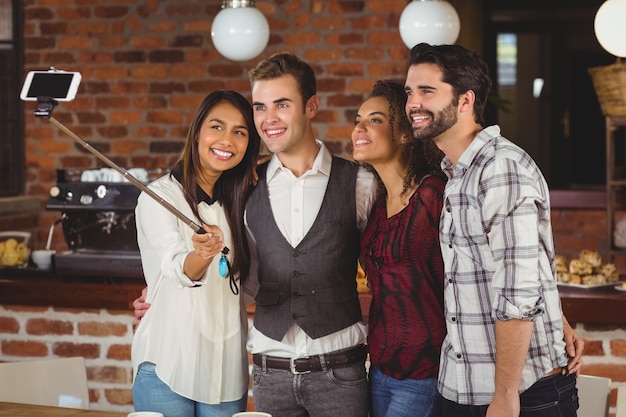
(587, 269)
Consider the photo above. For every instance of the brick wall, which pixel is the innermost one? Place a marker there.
(146, 65)
(102, 337)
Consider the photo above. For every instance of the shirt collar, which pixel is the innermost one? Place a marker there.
(202, 196)
(321, 165)
(473, 150)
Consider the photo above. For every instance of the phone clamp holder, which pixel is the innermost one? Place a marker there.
(45, 107)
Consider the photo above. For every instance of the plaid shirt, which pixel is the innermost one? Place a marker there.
(496, 241)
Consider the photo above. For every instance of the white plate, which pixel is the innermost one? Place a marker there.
(620, 288)
(586, 287)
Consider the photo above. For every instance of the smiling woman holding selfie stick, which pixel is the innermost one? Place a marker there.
(189, 354)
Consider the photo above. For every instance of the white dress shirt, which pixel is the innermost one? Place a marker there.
(295, 203)
(194, 334)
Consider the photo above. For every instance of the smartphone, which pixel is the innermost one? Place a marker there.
(58, 85)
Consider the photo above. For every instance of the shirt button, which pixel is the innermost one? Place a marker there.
(450, 246)
(453, 319)
(458, 355)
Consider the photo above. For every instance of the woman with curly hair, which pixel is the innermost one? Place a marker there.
(401, 257)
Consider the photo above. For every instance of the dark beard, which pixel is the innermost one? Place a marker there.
(442, 121)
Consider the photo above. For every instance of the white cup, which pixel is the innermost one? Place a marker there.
(251, 414)
(42, 258)
(145, 414)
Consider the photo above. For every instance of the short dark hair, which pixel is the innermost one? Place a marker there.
(462, 68)
(286, 63)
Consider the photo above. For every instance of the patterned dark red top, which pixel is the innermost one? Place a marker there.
(402, 260)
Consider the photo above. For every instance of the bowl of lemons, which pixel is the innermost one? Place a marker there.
(14, 249)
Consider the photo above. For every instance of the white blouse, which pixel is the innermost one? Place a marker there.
(194, 334)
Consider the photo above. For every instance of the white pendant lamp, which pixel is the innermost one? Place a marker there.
(610, 27)
(432, 21)
(240, 32)
(609, 81)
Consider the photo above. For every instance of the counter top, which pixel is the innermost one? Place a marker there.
(25, 410)
(604, 305)
(33, 287)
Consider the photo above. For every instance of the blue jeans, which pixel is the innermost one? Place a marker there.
(152, 394)
(340, 391)
(392, 397)
(552, 396)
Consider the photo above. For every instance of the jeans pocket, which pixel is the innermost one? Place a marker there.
(146, 369)
(257, 374)
(348, 375)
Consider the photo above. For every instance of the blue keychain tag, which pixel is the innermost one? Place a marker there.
(223, 268)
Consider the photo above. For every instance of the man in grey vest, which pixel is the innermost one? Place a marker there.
(304, 219)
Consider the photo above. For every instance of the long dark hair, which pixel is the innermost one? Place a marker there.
(233, 187)
(419, 157)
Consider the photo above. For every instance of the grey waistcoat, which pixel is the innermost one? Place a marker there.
(313, 284)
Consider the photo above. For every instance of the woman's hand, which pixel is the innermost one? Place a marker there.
(207, 245)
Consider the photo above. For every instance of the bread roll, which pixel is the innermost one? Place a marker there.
(580, 267)
(563, 276)
(593, 280)
(561, 263)
(593, 258)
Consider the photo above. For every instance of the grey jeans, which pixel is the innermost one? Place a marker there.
(340, 391)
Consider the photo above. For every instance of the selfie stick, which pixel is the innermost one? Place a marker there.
(47, 104)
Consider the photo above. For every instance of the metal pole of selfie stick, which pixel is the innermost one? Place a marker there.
(46, 105)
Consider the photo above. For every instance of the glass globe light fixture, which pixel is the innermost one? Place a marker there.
(240, 32)
(432, 21)
(610, 27)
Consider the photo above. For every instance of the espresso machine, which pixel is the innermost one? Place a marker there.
(98, 221)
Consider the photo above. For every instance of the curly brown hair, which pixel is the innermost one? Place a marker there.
(420, 158)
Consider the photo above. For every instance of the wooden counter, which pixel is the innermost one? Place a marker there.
(28, 410)
(33, 287)
(596, 306)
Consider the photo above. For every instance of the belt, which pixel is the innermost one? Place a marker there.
(553, 372)
(313, 363)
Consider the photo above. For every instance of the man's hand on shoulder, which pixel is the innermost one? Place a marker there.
(141, 307)
(260, 161)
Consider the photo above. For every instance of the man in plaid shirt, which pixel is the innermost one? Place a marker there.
(504, 354)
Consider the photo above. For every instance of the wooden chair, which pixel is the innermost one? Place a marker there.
(593, 394)
(620, 405)
(57, 382)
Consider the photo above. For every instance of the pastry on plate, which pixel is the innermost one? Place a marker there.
(575, 279)
(562, 276)
(580, 267)
(561, 263)
(593, 279)
(610, 272)
(593, 258)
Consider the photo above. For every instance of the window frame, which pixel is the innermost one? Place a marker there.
(12, 147)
